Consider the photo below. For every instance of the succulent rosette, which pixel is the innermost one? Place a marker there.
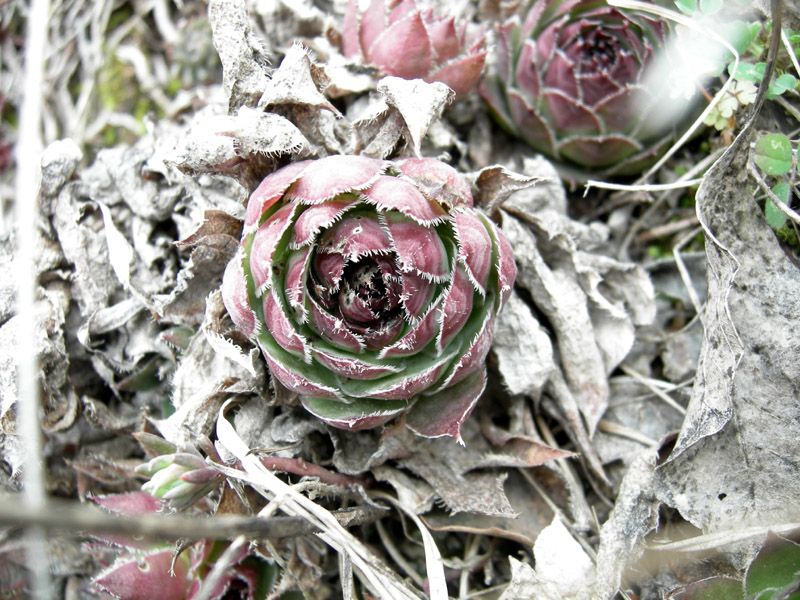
(406, 42)
(371, 287)
(568, 78)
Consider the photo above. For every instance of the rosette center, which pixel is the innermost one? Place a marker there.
(370, 291)
(598, 52)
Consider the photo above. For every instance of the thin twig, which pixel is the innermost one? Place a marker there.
(616, 429)
(667, 229)
(788, 107)
(471, 548)
(649, 384)
(784, 208)
(644, 187)
(298, 466)
(29, 149)
(694, 298)
(790, 51)
(719, 539)
(699, 167)
(73, 516)
(397, 556)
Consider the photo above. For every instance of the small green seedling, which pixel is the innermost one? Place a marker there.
(774, 156)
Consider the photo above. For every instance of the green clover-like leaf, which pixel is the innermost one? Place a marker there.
(773, 154)
(713, 588)
(782, 84)
(747, 71)
(687, 7)
(775, 216)
(710, 7)
(775, 572)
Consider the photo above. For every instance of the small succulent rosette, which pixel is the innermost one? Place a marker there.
(372, 286)
(401, 40)
(155, 571)
(568, 78)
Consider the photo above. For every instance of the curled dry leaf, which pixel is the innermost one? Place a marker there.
(734, 461)
(243, 61)
(635, 515)
(211, 370)
(212, 245)
(592, 302)
(50, 351)
(419, 103)
(563, 570)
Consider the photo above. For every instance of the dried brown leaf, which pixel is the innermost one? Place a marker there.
(735, 461)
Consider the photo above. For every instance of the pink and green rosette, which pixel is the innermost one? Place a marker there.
(371, 287)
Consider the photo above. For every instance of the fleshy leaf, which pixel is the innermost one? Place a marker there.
(420, 335)
(456, 308)
(438, 180)
(352, 367)
(333, 329)
(418, 248)
(282, 329)
(354, 236)
(444, 412)
(392, 193)
(360, 414)
(331, 176)
(269, 192)
(234, 296)
(265, 243)
(460, 75)
(299, 383)
(474, 248)
(410, 35)
(152, 576)
(316, 218)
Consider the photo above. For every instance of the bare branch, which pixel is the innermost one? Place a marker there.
(73, 516)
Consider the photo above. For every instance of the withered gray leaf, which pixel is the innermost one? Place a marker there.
(108, 319)
(450, 469)
(147, 198)
(415, 494)
(523, 348)
(213, 244)
(243, 59)
(633, 406)
(557, 293)
(59, 161)
(297, 81)
(418, 102)
(376, 128)
(496, 184)
(205, 378)
(547, 194)
(52, 361)
(735, 461)
(635, 515)
(220, 143)
(534, 515)
(563, 570)
(78, 224)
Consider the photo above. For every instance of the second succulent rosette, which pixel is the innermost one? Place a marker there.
(568, 78)
(371, 287)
